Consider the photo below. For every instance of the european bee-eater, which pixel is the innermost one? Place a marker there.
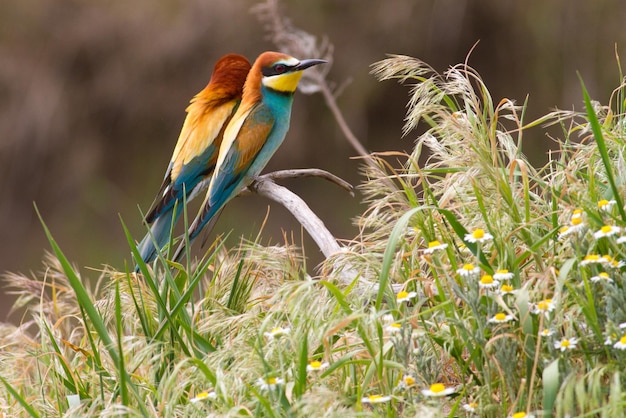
(255, 132)
(193, 161)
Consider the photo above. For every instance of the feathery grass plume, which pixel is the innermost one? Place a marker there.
(475, 168)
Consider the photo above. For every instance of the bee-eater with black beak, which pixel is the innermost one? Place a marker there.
(255, 132)
(195, 155)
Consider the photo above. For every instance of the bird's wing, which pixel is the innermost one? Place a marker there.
(242, 142)
(195, 154)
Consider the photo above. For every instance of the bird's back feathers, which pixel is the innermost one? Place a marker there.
(196, 151)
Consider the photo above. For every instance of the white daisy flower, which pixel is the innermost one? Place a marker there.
(478, 235)
(404, 296)
(566, 344)
(564, 232)
(547, 332)
(470, 407)
(507, 289)
(487, 282)
(316, 366)
(607, 259)
(407, 381)
(577, 214)
(606, 231)
(503, 274)
(576, 225)
(277, 332)
(606, 205)
(435, 246)
(202, 396)
(394, 328)
(438, 389)
(269, 383)
(591, 259)
(375, 399)
(602, 277)
(544, 307)
(501, 318)
(468, 270)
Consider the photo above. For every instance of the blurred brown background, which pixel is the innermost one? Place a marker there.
(92, 97)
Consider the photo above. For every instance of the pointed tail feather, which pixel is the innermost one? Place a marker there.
(195, 229)
(159, 233)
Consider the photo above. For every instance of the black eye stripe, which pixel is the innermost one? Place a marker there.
(276, 69)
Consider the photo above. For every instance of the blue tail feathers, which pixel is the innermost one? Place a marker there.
(159, 233)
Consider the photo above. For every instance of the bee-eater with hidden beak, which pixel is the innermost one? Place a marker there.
(255, 132)
(193, 161)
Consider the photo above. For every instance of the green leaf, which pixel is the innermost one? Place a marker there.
(120, 329)
(600, 141)
(31, 411)
(551, 383)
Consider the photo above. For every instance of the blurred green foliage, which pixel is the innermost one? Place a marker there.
(92, 97)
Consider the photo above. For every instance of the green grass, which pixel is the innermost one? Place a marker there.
(233, 334)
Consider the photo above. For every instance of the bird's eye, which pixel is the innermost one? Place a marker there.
(280, 68)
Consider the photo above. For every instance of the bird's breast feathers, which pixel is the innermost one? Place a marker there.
(243, 139)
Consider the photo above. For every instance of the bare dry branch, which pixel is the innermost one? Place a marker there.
(265, 186)
(300, 210)
(311, 172)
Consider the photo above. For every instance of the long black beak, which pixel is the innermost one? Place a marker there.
(304, 64)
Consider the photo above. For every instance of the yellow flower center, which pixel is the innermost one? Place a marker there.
(544, 305)
(607, 258)
(468, 267)
(437, 388)
(500, 317)
(503, 271)
(603, 203)
(374, 397)
(396, 325)
(403, 294)
(506, 288)
(604, 275)
(577, 212)
(519, 415)
(565, 343)
(408, 380)
(563, 229)
(577, 221)
(315, 364)
(623, 339)
(433, 244)
(478, 234)
(271, 381)
(486, 279)
(606, 229)
(592, 257)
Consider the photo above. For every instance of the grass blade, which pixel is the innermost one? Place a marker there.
(29, 409)
(602, 148)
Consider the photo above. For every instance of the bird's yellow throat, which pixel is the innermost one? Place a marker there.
(285, 82)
